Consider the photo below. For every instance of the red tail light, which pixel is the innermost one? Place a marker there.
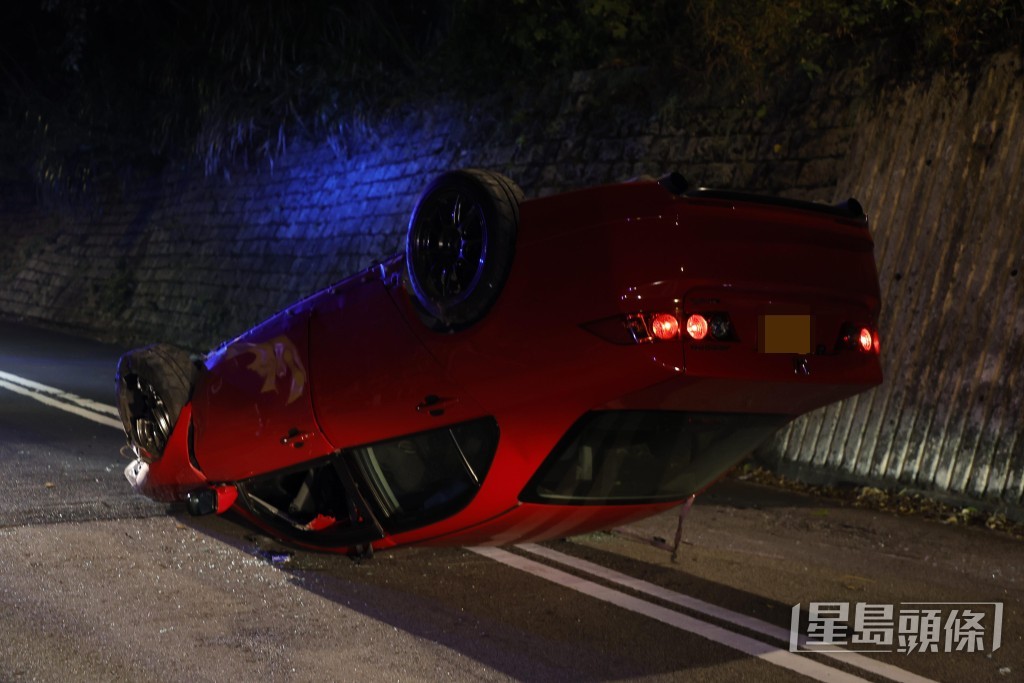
(697, 326)
(862, 339)
(865, 340)
(664, 326)
(636, 328)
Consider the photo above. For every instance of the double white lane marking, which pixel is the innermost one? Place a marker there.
(780, 656)
(56, 398)
(108, 415)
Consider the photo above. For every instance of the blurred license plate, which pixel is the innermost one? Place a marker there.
(785, 334)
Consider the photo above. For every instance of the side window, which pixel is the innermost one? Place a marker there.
(425, 477)
(316, 503)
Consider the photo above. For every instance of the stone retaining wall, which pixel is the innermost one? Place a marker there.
(193, 259)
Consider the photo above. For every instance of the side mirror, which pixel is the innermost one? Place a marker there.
(212, 500)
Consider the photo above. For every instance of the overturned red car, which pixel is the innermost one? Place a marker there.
(527, 369)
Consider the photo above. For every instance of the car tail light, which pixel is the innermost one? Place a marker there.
(665, 326)
(720, 326)
(636, 328)
(859, 338)
(641, 328)
(865, 340)
(697, 326)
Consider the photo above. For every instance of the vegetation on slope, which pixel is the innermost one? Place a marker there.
(94, 88)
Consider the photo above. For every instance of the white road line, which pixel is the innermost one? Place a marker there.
(873, 666)
(88, 404)
(641, 586)
(83, 407)
(755, 648)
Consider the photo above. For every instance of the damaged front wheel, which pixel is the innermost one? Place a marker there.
(153, 384)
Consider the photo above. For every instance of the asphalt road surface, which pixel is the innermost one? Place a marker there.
(97, 584)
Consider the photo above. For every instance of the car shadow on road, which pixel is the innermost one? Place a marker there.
(505, 619)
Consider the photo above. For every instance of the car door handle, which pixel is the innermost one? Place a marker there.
(295, 438)
(435, 405)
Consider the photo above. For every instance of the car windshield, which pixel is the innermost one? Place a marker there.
(425, 477)
(623, 457)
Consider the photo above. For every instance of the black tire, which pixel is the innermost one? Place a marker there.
(460, 245)
(153, 385)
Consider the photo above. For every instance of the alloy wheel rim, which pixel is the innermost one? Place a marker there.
(449, 248)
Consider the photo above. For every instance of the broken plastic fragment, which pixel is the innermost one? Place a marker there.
(136, 474)
(274, 556)
(320, 522)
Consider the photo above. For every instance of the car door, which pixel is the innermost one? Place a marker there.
(253, 409)
(372, 379)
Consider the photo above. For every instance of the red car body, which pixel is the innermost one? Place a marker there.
(547, 387)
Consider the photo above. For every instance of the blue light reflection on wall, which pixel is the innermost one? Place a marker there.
(335, 216)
